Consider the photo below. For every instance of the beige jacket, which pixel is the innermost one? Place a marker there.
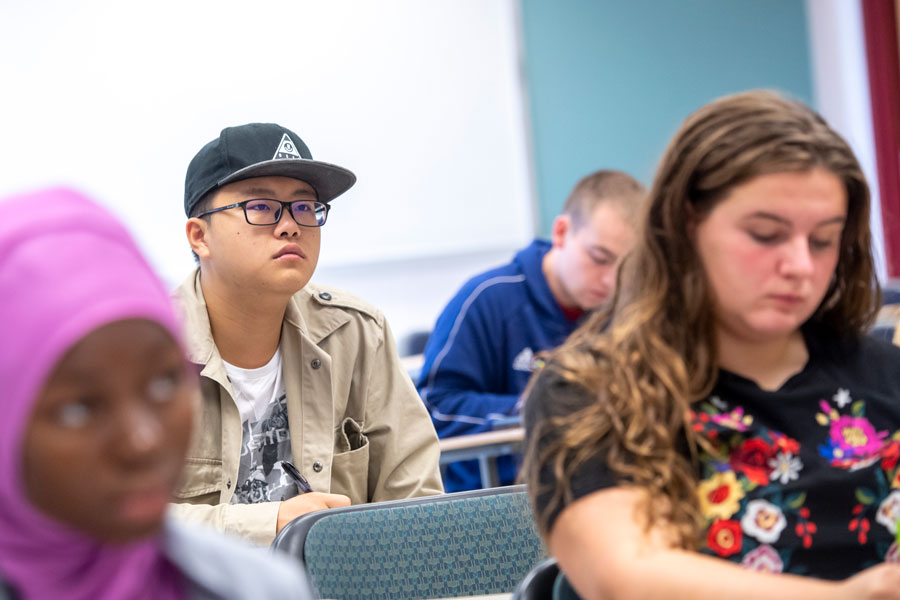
(357, 424)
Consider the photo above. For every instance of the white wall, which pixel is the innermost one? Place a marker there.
(412, 292)
(422, 100)
(841, 82)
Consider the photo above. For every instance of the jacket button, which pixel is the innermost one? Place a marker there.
(317, 467)
(324, 295)
(315, 363)
(228, 484)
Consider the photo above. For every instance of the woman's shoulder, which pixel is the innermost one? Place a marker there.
(218, 567)
(881, 350)
(864, 353)
(560, 388)
(554, 391)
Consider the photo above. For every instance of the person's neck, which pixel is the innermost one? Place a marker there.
(548, 268)
(246, 328)
(769, 363)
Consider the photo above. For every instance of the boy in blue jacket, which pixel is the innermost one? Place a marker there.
(480, 355)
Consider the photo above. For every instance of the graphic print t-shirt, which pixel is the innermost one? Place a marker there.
(266, 441)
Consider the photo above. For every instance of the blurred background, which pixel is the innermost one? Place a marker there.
(467, 122)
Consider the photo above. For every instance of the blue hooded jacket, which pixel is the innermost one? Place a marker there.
(480, 355)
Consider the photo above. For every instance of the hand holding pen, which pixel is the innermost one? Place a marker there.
(294, 474)
(306, 501)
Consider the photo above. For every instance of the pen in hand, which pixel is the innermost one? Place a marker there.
(291, 470)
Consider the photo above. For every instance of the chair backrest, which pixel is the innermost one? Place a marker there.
(887, 323)
(562, 589)
(412, 343)
(545, 581)
(538, 584)
(469, 543)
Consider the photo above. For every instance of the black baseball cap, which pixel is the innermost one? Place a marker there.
(260, 150)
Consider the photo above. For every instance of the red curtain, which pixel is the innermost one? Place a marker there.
(880, 18)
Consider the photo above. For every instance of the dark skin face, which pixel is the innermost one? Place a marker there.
(104, 447)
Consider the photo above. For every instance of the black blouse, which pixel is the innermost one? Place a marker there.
(804, 479)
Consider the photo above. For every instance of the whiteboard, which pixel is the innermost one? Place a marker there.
(422, 100)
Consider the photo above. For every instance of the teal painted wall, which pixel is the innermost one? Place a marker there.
(610, 82)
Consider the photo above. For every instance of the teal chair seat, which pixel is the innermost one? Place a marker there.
(469, 543)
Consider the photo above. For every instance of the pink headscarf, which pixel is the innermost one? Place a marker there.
(67, 267)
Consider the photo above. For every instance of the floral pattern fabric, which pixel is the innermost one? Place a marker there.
(758, 484)
(804, 479)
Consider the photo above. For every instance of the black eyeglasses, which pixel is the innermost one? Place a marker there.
(264, 211)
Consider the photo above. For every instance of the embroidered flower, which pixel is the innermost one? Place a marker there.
(853, 443)
(827, 415)
(785, 444)
(752, 459)
(839, 458)
(720, 495)
(842, 398)
(856, 437)
(725, 537)
(889, 455)
(735, 419)
(889, 512)
(763, 559)
(805, 528)
(717, 402)
(861, 526)
(764, 521)
(785, 467)
(697, 420)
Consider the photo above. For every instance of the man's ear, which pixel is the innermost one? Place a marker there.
(562, 224)
(196, 231)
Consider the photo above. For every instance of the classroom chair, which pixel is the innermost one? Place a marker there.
(469, 543)
(538, 584)
(412, 343)
(544, 582)
(888, 321)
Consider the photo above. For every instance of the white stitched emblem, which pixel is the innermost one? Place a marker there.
(524, 361)
(287, 148)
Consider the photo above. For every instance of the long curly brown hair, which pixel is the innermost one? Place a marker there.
(657, 354)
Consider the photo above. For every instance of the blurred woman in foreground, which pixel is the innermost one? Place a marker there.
(97, 407)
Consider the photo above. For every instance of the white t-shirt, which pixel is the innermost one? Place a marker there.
(261, 399)
(256, 389)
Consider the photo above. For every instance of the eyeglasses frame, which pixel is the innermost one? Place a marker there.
(284, 206)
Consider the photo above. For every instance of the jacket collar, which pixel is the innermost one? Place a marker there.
(303, 312)
(530, 260)
(198, 333)
(314, 325)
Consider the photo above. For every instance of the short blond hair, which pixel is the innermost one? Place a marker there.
(605, 186)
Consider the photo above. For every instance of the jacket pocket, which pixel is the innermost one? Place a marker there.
(349, 437)
(201, 481)
(350, 464)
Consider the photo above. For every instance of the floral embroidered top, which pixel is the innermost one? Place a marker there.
(801, 480)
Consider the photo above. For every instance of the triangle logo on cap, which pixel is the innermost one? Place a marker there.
(286, 148)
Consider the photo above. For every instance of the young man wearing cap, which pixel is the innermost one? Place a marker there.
(481, 353)
(292, 372)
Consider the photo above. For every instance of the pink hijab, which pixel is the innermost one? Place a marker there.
(67, 267)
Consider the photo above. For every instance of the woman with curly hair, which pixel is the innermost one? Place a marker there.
(733, 413)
